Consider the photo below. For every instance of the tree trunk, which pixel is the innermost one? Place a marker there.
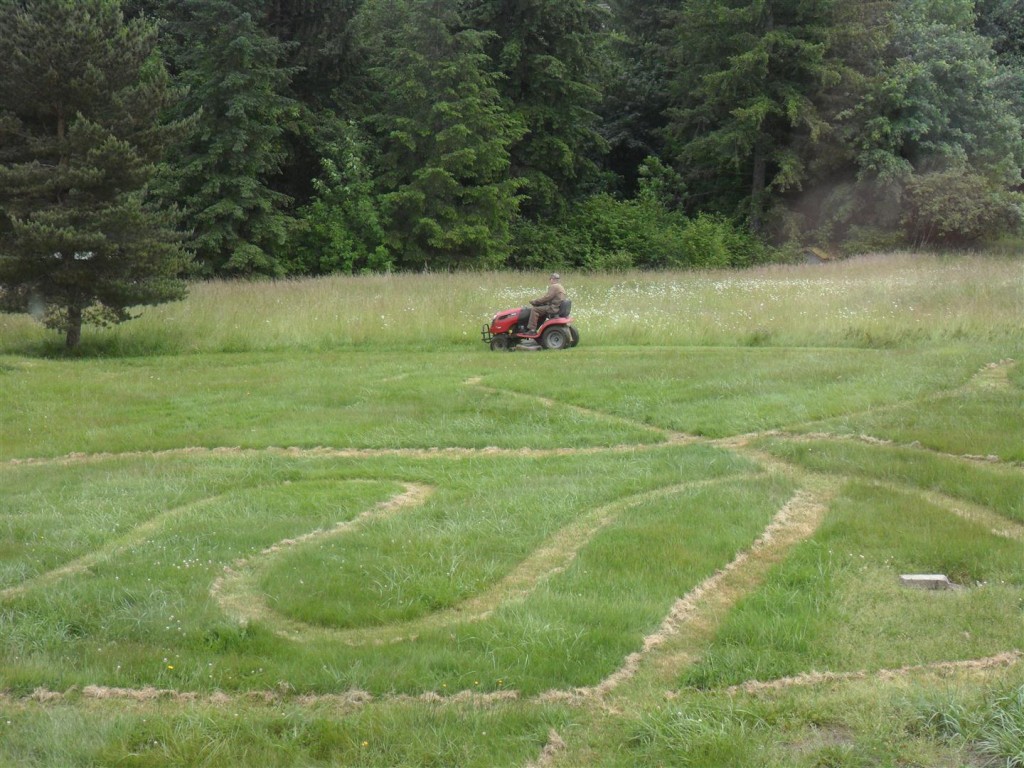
(757, 189)
(74, 327)
(758, 180)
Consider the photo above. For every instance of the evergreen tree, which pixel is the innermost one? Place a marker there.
(319, 48)
(81, 96)
(319, 42)
(239, 95)
(549, 55)
(745, 115)
(636, 94)
(447, 199)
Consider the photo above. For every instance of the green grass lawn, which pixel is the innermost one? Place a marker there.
(237, 535)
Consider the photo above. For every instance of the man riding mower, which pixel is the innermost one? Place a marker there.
(512, 328)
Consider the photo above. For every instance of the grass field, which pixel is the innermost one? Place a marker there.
(319, 523)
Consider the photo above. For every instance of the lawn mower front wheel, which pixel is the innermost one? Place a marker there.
(501, 343)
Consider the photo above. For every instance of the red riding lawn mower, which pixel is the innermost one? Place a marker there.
(508, 330)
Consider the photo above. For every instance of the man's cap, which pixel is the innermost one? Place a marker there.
(555, 276)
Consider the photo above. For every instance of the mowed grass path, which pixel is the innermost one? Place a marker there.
(398, 556)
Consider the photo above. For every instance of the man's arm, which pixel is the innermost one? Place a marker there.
(547, 298)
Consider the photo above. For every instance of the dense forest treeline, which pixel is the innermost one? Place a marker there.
(375, 134)
(295, 137)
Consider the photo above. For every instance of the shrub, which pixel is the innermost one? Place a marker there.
(642, 228)
(340, 229)
(869, 239)
(540, 245)
(959, 207)
(602, 233)
(715, 242)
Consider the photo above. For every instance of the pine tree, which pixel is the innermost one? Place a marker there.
(745, 114)
(548, 53)
(636, 91)
(447, 199)
(81, 96)
(239, 95)
(319, 49)
(318, 36)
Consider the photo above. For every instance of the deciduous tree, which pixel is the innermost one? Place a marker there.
(937, 105)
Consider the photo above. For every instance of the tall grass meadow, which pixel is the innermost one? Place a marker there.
(870, 301)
